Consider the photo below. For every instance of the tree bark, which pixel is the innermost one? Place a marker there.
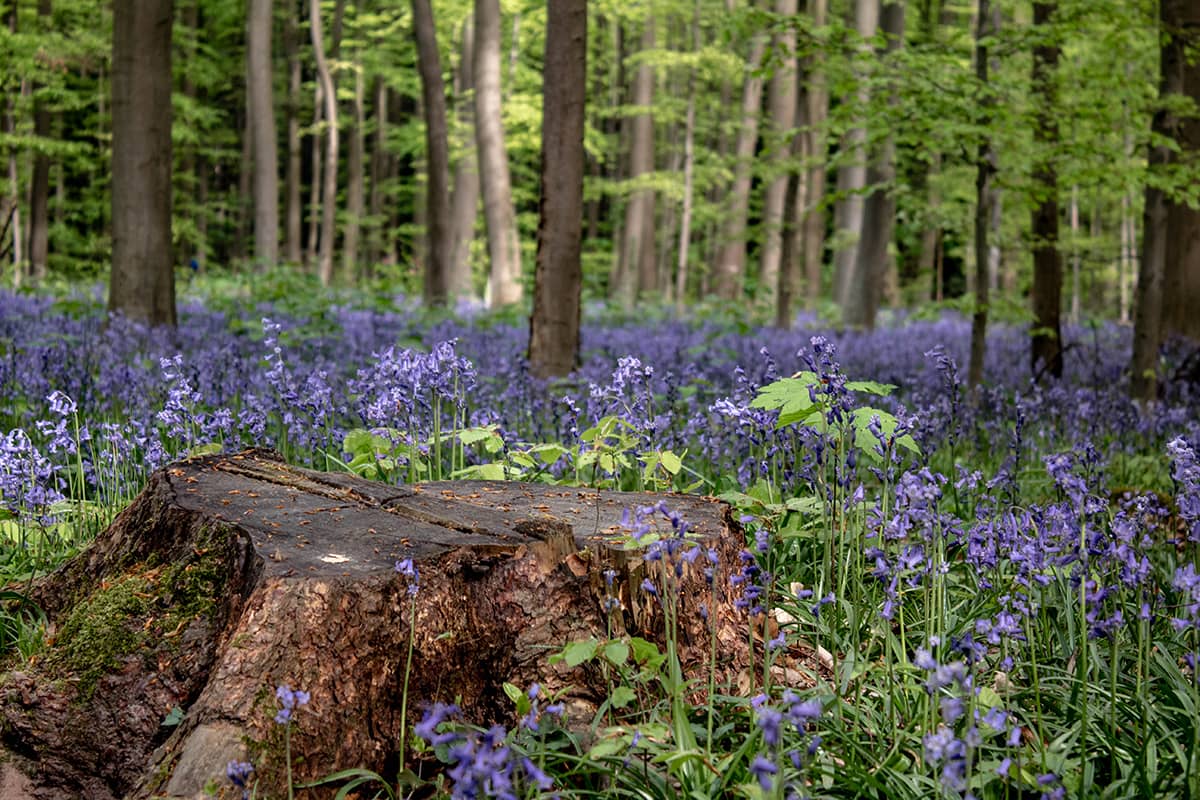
(1046, 349)
(874, 257)
(781, 102)
(379, 172)
(328, 233)
(637, 273)
(558, 283)
(731, 261)
(355, 178)
(984, 168)
(142, 285)
(437, 155)
(39, 189)
(689, 171)
(259, 77)
(464, 201)
(812, 209)
(293, 210)
(854, 285)
(232, 575)
(504, 249)
(1150, 325)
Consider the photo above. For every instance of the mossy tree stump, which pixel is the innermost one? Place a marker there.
(231, 575)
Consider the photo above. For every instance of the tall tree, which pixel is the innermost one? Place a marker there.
(731, 262)
(781, 100)
(355, 177)
(293, 212)
(637, 271)
(984, 168)
(142, 284)
(39, 190)
(852, 284)
(464, 200)
(810, 204)
(259, 82)
(328, 92)
(1046, 338)
(1171, 235)
(554, 325)
(689, 169)
(504, 250)
(879, 207)
(437, 154)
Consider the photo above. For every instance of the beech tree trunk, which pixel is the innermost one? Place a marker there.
(355, 191)
(1046, 338)
(293, 211)
(142, 284)
(504, 249)
(558, 283)
(1170, 236)
(983, 200)
(875, 263)
(259, 82)
(328, 233)
(731, 261)
(39, 188)
(854, 285)
(379, 173)
(813, 205)
(781, 101)
(464, 201)
(636, 271)
(232, 575)
(689, 169)
(437, 155)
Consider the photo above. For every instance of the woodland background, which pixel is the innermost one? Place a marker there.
(846, 156)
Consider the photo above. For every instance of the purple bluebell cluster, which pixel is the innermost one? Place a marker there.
(289, 700)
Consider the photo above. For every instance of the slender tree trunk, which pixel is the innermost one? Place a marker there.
(689, 170)
(637, 267)
(39, 189)
(328, 233)
(731, 261)
(554, 325)
(1073, 219)
(259, 80)
(437, 155)
(379, 171)
(10, 208)
(142, 285)
(504, 249)
(854, 285)
(983, 198)
(781, 101)
(292, 207)
(315, 182)
(465, 198)
(817, 110)
(354, 179)
(1046, 350)
(875, 263)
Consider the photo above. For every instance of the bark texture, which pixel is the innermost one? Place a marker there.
(781, 101)
(328, 103)
(504, 250)
(983, 201)
(142, 285)
(1046, 344)
(259, 80)
(464, 199)
(637, 273)
(231, 575)
(811, 205)
(558, 286)
(437, 155)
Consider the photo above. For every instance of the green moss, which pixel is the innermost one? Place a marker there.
(142, 610)
(102, 630)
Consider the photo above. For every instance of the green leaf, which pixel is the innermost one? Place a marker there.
(616, 652)
(173, 717)
(481, 472)
(513, 692)
(577, 653)
(790, 396)
(643, 650)
(606, 747)
(871, 387)
(622, 696)
(671, 462)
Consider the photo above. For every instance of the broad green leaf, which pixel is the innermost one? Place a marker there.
(622, 696)
(871, 387)
(671, 462)
(577, 653)
(617, 652)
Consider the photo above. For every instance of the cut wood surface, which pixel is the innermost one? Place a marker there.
(233, 574)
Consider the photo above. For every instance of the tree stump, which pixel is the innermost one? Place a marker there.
(231, 575)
